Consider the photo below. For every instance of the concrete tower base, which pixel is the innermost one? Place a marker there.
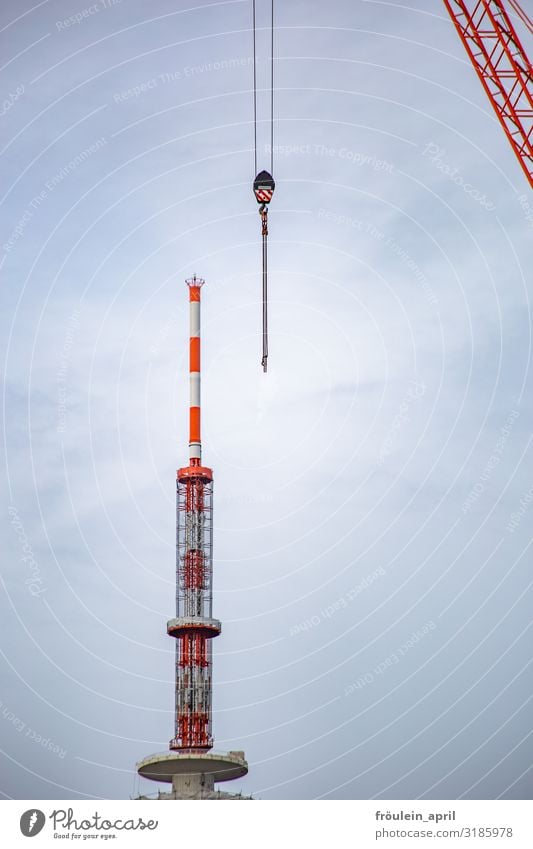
(193, 774)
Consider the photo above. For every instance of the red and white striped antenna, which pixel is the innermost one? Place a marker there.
(190, 764)
(195, 441)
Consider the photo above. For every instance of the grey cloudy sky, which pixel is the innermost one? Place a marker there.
(373, 492)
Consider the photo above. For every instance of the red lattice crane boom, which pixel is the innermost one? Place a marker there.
(502, 65)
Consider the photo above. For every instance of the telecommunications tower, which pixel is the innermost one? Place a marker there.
(190, 766)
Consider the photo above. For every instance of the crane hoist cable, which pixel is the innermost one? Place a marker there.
(264, 185)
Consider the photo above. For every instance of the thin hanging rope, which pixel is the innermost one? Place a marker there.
(265, 278)
(272, 87)
(254, 29)
(255, 92)
(265, 217)
(264, 207)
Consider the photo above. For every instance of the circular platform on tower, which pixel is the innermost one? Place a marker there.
(222, 766)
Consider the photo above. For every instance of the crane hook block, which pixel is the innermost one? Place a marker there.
(264, 186)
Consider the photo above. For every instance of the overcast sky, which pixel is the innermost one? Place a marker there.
(373, 491)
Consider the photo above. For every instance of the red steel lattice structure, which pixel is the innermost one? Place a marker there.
(194, 626)
(503, 68)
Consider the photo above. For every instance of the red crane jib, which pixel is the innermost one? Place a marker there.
(502, 65)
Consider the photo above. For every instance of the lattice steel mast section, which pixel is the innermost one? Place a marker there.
(503, 68)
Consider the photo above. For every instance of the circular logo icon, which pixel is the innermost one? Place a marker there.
(32, 822)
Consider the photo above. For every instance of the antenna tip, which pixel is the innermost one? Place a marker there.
(195, 282)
